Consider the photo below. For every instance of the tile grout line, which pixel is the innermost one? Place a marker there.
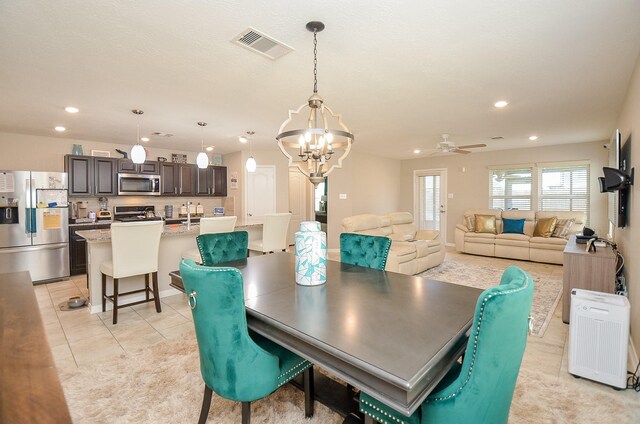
(75, 361)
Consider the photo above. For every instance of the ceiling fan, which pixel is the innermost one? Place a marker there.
(446, 146)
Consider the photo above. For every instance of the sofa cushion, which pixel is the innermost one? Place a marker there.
(403, 251)
(486, 224)
(404, 230)
(509, 239)
(580, 217)
(549, 243)
(400, 218)
(545, 227)
(359, 223)
(563, 228)
(485, 238)
(513, 226)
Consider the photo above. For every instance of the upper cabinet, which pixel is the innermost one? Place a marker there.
(126, 166)
(98, 176)
(212, 181)
(91, 176)
(178, 179)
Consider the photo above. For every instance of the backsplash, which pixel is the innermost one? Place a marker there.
(159, 203)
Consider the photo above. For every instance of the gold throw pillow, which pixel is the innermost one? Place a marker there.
(486, 224)
(545, 227)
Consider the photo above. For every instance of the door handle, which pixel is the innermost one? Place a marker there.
(442, 209)
(250, 214)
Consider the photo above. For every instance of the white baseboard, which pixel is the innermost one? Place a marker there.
(94, 309)
(633, 356)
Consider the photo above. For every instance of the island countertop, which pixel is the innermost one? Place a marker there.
(104, 235)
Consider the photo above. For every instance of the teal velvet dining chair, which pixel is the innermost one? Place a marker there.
(236, 363)
(480, 389)
(364, 250)
(216, 248)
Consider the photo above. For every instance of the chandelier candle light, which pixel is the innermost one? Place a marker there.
(202, 159)
(138, 154)
(310, 147)
(311, 254)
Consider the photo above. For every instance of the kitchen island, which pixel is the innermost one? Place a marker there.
(175, 240)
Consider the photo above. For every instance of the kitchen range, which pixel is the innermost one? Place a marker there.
(34, 219)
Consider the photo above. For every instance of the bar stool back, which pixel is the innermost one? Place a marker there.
(134, 247)
(274, 233)
(211, 225)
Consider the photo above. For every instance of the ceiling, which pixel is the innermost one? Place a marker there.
(400, 73)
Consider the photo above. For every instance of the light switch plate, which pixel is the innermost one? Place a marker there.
(343, 196)
(450, 196)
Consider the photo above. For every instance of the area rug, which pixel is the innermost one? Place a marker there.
(162, 384)
(547, 292)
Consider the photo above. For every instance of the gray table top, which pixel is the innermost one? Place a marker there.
(392, 335)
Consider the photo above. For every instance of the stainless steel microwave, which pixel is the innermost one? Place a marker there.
(138, 185)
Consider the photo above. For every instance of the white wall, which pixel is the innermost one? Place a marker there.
(470, 188)
(628, 238)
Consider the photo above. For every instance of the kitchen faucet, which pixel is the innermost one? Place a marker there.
(188, 214)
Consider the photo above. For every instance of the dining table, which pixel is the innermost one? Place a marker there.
(391, 335)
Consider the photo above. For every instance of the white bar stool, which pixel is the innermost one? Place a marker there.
(134, 249)
(212, 225)
(274, 234)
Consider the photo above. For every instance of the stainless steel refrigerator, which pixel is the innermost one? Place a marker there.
(34, 224)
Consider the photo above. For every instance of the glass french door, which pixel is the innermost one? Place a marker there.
(430, 200)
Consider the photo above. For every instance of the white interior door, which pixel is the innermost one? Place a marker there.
(430, 200)
(297, 202)
(261, 193)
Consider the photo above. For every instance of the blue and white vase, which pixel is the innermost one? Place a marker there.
(311, 254)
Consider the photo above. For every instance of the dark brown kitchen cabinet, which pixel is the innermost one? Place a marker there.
(78, 248)
(178, 179)
(126, 166)
(212, 181)
(91, 176)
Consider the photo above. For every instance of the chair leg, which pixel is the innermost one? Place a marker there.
(206, 404)
(246, 412)
(146, 287)
(104, 292)
(156, 292)
(115, 301)
(309, 392)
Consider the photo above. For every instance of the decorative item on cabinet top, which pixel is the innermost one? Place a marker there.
(101, 153)
(176, 158)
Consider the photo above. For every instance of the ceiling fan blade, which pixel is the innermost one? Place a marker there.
(464, 152)
(472, 146)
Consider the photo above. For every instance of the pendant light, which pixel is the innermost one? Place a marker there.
(317, 133)
(138, 155)
(202, 159)
(251, 162)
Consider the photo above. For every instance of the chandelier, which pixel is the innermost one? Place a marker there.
(138, 154)
(317, 134)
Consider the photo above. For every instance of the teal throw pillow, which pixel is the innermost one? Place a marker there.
(513, 226)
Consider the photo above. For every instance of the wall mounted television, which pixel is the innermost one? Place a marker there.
(618, 198)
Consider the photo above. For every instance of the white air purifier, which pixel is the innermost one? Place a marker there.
(599, 337)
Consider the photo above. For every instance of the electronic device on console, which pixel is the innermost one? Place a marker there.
(586, 235)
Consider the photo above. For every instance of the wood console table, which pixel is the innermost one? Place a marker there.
(30, 390)
(583, 270)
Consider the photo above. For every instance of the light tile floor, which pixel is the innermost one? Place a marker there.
(78, 338)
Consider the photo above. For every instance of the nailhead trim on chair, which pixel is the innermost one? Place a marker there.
(475, 342)
(380, 419)
(293, 372)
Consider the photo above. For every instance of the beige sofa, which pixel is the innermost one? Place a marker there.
(412, 251)
(516, 246)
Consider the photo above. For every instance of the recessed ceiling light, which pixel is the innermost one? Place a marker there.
(501, 103)
(209, 148)
(242, 139)
(60, 129)
(416, 151)
(144, 138)
(533, 138)
(72, 109)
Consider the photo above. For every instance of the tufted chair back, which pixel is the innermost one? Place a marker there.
(483, 389)
(231, 363)
(217, 248)
(364, 250)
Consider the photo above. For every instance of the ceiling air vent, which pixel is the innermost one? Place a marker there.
(161, 134)
(497, 137)
(261, 43)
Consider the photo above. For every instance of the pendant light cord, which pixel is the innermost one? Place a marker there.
(315, 62)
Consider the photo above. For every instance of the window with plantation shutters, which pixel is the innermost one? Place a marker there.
(510, 188)
(564, 188)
